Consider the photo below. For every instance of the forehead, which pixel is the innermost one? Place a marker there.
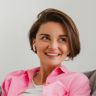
(52, 28)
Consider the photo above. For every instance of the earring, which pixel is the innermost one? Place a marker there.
(67, 59)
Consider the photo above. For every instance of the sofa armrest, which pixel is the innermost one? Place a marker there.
(92, 78)
(0, 91)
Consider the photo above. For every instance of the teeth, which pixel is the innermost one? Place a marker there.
(50, 54)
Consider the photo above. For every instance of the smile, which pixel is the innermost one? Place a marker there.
(52, 54)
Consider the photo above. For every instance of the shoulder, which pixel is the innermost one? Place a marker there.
(69, 76)
(14, 74)
(76, 82)
(15, 80)
(74, 79)
(78, 78)
(74, 76)
(19, 75)
(80, 84)
(78, 75)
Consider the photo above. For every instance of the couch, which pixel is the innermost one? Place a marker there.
(92, 78)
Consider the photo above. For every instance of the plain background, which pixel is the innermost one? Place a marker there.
(16, 18)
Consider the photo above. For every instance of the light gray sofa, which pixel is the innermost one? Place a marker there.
(0, 91)
(92, 78)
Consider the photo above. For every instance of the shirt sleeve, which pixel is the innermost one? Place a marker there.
(80, 86)
(5, 86)
(13, 80)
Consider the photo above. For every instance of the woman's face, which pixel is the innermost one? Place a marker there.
(51, 44)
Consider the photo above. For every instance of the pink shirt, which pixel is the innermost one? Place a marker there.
(60, 82)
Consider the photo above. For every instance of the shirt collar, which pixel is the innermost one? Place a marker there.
(57, 71)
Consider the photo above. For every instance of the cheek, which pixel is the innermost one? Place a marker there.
(40, 46)
(65, 50)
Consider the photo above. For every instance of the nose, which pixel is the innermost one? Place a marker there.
(53, 45)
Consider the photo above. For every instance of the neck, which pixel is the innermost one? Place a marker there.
(40, 77)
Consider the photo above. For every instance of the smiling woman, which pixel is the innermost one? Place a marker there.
(51, 44)
(53, 37)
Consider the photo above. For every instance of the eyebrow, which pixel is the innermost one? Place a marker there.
(45, 34)
(59, 35)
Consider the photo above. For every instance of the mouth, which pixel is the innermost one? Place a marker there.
(52, 54)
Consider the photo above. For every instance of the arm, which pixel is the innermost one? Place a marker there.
(5, 86)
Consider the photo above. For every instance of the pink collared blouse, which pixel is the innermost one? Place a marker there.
(60, 82)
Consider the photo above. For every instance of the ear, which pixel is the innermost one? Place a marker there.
(34, 41)
(34, 45)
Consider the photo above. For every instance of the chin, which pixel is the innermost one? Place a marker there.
(54, 63)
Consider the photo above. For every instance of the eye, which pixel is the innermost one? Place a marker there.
(63, 40)
(45, 38)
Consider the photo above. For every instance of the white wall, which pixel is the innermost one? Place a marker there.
(16, 18)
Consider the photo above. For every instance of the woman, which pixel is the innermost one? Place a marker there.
(54, 38)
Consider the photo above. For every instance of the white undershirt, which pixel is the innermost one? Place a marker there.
(35, 90)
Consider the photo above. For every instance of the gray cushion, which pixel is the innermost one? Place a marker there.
(0, 91)
(92, 77)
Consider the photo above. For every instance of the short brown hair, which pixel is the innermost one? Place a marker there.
(58, 16)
